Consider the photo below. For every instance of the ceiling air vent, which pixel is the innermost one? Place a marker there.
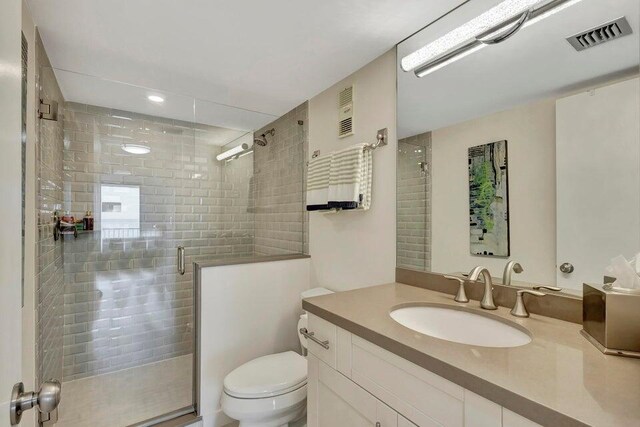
(601, 34)
(345, 116)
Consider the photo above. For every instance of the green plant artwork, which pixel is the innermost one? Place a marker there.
(489, 200)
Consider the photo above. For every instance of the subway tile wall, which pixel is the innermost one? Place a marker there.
(279, 181)
(125, 305)
(414, 202)
(49, 253)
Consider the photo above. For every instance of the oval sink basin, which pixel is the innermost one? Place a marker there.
(461, 326)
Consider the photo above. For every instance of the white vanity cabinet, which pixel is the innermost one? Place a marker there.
(355, 383)
(337, 401)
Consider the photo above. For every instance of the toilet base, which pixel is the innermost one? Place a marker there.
(282, 421)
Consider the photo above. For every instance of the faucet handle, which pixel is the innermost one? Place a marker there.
(461, 296)
(519, 309)
(549, 288)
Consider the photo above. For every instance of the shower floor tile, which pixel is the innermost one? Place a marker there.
(129, 396)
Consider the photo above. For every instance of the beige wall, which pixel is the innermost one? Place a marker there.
(357, 248)
(530, 132)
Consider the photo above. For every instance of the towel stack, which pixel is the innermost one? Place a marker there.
(341, 180)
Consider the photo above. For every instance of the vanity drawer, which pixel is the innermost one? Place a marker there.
(323, 331)
(422, 397)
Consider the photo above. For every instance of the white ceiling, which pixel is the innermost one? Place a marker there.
(256, 59)
(537, 62)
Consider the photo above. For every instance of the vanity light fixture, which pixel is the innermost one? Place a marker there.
(136, 149)
(492, 27)
(155, 98)
(232, 152)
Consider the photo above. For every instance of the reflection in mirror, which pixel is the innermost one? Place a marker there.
(557, 106)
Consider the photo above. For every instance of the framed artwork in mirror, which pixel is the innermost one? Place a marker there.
(489, 200)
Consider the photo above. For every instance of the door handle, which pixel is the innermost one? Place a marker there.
(181, 265)
(47, 399)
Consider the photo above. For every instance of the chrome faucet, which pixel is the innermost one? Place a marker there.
(511, 266)
(487, 299)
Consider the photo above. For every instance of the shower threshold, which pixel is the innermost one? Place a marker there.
(130, 396)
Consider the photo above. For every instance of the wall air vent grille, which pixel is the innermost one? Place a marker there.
(346, 127)
(601, 34)
(345, 115)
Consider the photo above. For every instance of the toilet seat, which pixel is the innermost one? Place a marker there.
(267, 376)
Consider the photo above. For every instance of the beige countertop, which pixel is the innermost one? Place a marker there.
(558, 379)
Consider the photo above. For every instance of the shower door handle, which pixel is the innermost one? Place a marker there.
(181, 265)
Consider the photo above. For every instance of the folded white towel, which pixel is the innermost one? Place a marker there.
(350, 178)
(318, 183)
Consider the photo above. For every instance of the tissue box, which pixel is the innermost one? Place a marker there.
(611, 320)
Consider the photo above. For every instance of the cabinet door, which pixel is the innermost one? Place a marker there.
(481, 412)
(324, 331)
(339, 402)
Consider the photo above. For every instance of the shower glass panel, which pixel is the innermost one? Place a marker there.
(127, 185)
(279, 173)
(254, 205)
(49, 250)
(414, 202)
(127, 340)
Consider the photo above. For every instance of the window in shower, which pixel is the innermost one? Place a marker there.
(120, 207)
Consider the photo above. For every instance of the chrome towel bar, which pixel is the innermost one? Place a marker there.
(382, 139)
(311, 336)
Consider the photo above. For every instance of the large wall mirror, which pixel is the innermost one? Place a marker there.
(519, 140)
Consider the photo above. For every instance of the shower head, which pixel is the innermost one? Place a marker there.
(262, 139)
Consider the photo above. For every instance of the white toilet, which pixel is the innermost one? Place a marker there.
(270, 391)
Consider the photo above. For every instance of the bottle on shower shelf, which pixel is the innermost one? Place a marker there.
(88, 221)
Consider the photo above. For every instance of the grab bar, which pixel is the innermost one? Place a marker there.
(181, 264)
(310, 335)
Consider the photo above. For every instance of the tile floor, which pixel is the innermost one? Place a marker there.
(121, 398)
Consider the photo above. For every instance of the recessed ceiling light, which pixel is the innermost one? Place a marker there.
(136, 149)
(155, 98)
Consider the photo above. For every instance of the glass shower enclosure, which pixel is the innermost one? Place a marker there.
(131, 192)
